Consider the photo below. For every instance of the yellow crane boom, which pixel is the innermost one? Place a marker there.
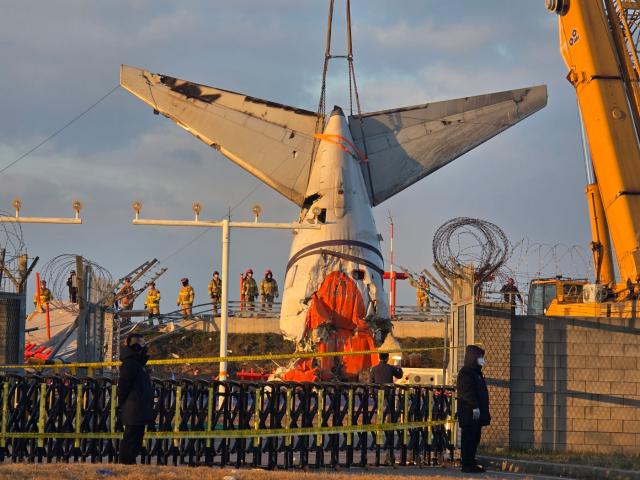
(598, 41)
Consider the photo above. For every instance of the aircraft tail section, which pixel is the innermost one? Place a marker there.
(274, 142)
(406, 144)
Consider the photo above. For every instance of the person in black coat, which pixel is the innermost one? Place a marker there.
(383, 372)
(473, 406)
(135, 396)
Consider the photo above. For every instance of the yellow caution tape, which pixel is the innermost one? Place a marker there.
(5, 414)
(42, 413)
(273, 432)
(239, 358)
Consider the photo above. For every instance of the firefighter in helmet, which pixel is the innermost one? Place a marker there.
(215, 292)
(152, 302)
(45, 297)
(249, 290)
(422, 293)
(268, 290)
(126, 295)
(185, 298)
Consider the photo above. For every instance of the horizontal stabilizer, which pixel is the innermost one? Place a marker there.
(271, 141)
(406, 144)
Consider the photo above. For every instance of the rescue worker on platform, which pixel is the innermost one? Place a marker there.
(511, 293)
(152, 302)
(125, 296)
(473, 406)
(72, 283)
(268, 291)
(185, 298)
(422, 292)
(45, 297)
(215, 292)
(249, 291)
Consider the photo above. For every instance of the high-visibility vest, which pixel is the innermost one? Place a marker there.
(45, 296)
(153, 298)
(249, 288)
(215, 287)
(186, 295)
(269, 287)
(126, 295)
(422, 288)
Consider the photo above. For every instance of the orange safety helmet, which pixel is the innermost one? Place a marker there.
(268, 272)
(249, 271)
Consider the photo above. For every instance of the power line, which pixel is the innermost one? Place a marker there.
(189, 243)
(54, 134)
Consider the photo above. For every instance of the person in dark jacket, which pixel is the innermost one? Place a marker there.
(473, 406)
(383, 372)
(135, 396)
(72, 283)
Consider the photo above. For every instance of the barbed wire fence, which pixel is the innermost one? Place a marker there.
(463, 242)
(12, 246)
(56, 272)
(531, 260)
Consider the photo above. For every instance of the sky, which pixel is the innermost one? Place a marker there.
(60, 57)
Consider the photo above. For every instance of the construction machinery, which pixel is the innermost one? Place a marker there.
(599, 44)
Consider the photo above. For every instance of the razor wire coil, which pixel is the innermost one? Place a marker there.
(462, 242)
(56, 273)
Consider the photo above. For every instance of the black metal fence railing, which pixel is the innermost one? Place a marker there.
(274, 424)
(240, 309)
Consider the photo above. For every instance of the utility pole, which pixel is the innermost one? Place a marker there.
(82, 310)
(392, 273)
(226, 224)
(24, 270)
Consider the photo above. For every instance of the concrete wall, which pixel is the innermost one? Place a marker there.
(574, 382)
(244, 325)
(12, 308)
(493, 329)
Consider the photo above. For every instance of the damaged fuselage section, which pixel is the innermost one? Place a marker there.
(333, 295)
(333, 298)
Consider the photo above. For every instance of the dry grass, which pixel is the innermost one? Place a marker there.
(193, 343)
(145, 472)
(428, 359)
(619, 461)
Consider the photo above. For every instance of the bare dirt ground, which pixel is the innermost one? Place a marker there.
(148, 472)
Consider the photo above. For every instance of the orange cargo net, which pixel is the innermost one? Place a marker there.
(337, 313)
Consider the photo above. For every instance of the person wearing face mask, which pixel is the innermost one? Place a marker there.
(473, 406)
(135, 396)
